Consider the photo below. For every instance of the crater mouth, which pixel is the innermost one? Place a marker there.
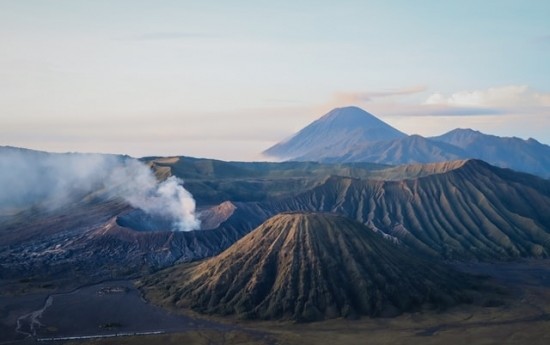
(138, 220)
(211, 217)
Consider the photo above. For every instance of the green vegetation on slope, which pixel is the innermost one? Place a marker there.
(213, 181)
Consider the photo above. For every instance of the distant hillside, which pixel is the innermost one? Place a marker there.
(514, 153)
(334, 134)
(407, 150)
(308, 267)
(213, 181)
(352, 135)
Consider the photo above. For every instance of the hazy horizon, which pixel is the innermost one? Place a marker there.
(228, 80)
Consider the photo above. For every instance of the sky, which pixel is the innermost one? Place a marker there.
(228, 79)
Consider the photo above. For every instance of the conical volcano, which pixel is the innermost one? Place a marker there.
(310, 266)
(335, 134)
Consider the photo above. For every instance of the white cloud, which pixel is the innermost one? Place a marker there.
(347, 98)
(502, 96)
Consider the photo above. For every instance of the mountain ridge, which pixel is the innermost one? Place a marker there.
(344, 145)
(471, 211)
(508, 152)
(411, 149)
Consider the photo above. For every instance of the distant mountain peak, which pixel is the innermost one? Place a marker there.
(464, 131)
(350, 134)
(348, 112)
(415, 137)
(534, 141)
(344, 110)
(507, 152)
(460, 135)
(334, 133)
(352, 117)
(467, 130)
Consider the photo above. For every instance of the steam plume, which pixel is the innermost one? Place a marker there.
(54, 180)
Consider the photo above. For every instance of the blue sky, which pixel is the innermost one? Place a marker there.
(227, 79)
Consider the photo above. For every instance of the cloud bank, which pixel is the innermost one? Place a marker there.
(503, 96)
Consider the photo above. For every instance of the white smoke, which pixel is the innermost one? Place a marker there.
(31, 178)
(167, 199)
